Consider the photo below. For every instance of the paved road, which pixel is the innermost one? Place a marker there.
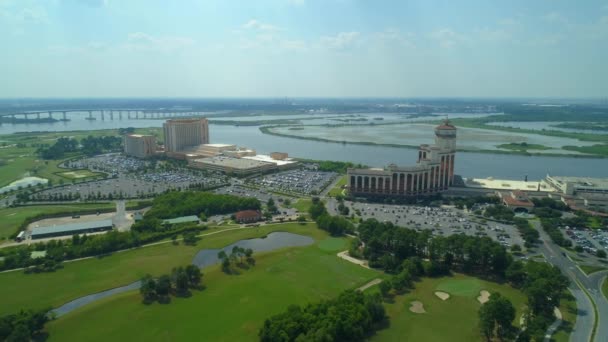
(585, 314)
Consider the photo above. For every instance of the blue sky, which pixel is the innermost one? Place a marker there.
(303, 48)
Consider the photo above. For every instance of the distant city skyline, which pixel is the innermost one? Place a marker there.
(304, 48)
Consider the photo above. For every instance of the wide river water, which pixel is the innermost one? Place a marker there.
(468, 164)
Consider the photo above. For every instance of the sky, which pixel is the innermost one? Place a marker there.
(303, 48)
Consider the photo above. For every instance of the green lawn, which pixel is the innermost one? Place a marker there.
(591, 269)
(231, 308)
(97, 274)
(12, 218)
(332, 244)
(337, 189)
(452, 320)
(302, 205)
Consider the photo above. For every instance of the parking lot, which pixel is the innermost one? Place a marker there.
(590, 241)
(262, 195)
(134, 185)
(442, 221)
(112, 163)
(297, 181)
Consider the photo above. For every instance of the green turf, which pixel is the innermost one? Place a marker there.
(337, 189)
(12, 218)
(468, 287)
(97, 274)
(452, 320)
(591, 269)
(333, 244)
(302, 205)
(231, 308)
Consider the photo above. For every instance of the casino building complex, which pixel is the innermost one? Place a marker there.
(433, 173)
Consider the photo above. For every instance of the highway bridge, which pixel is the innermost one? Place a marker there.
(94, 114)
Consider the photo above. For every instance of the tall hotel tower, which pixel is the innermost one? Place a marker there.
(433, 173)
(184, 133)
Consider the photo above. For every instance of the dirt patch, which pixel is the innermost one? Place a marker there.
(484, 296)
(442, 295)
(417, 307)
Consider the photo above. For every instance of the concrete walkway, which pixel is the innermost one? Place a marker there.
(344, 255)
(370, 284)
(553, 327)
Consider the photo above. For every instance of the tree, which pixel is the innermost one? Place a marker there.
(148, 289)
(195, 276)
(385, 287)
(163, 287)
(495, 317)
(601, 253)
(181, 280)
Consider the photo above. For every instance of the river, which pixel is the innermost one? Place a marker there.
(468, 164)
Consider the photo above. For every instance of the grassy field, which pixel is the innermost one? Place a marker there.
(452, 320)
(12, 218)
(79, 174)
(231, 308)
(523, 147)
(97, 274)
(337, 189)
(591, 269)
(302, 205)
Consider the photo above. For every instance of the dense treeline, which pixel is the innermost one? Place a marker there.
(178, 283)
(23, 326)
(499, 212)
(387, 246)
(183, 203)
(335, 225)
(90, 146)
(496, 317)
(83, 246)
(350, 317)
(529, 234)
(544, 286)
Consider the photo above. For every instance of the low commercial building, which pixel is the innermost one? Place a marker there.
(139, 146)
(281, 164)
(577, 185)
(182, 219)
(248, 216)
(516, 200)
(233, 166)
(71, 229)
(279, 155)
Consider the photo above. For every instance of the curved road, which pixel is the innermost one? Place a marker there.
(592, 284)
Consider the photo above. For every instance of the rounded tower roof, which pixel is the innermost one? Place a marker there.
(446, 125)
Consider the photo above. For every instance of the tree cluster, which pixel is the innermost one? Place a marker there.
(499, 212)
(83, 246)
(496, 317)
(335, 225)
(23, 326)
(387, 246)
(544, 286)
(178, 283)
(350, 317)
(529, 234)
(239, 257)
(183, 203)
(90, 146)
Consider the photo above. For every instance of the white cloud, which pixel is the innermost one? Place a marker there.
(33, 14)
(260, 26)
(555, 18)
(394, 38)
(448, 38)
(341, 41)
(146, 42)
(296, 2)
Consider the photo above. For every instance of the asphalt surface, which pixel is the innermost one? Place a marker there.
(583, 327)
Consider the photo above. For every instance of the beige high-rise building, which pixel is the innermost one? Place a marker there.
(140, 146)
(184, 133)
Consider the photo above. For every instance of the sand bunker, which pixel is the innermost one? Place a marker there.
(484, 296)
(442, 295)
(417, 307)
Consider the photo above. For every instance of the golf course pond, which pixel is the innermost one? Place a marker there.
(204, 258)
